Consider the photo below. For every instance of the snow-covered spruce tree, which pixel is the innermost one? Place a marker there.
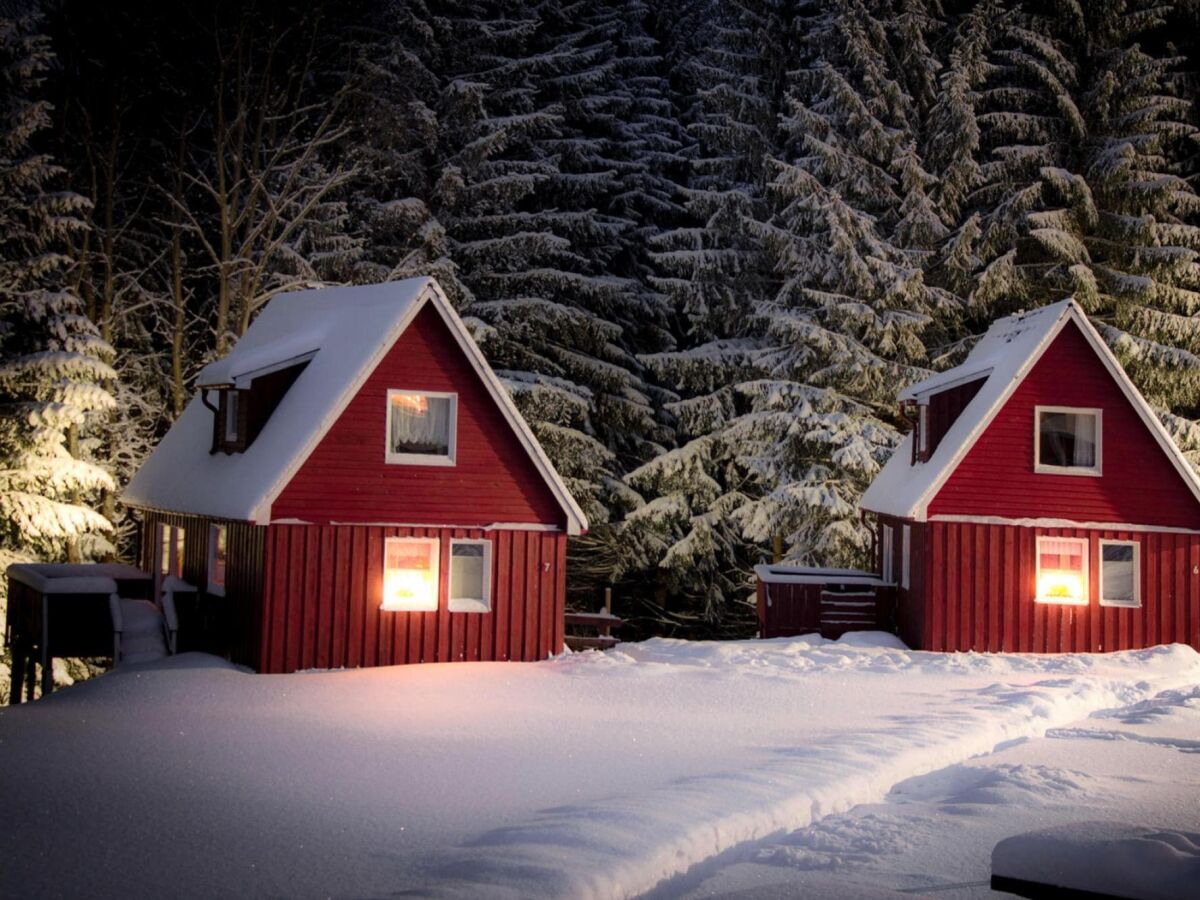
(1088, 139)
(53, 363)
(715, 270)
(852, 227)
(498, 176)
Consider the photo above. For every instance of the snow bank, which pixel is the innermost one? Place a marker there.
(1105, 858)
(591, 775)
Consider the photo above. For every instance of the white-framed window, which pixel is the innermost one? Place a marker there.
(1067, 440)
(923, 432)
(231, 416)
(1120, 573)
(217, 535)
(410, 574)
(905, 548)
(470, 576)
(422, 427)
(885, 550)
(1062, 570)
(171, 545)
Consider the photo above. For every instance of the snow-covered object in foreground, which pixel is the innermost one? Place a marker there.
(354, 480)
(1038, 504)
(596, 775)
(1107, 858)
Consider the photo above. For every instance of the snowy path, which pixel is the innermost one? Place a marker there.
(592, 775)
(1138, 764)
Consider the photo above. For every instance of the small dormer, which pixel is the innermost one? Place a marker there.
(242, 402)
(934, 412)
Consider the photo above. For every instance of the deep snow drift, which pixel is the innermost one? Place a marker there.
(589, 775)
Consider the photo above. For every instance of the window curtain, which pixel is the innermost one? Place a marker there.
(423, 427)
(1084, 428)
(1060, 555)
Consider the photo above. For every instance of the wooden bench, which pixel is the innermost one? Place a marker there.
(602, 622)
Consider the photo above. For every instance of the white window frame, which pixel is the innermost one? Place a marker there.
(471, 604)
(1137, 574)
(1037, 565)
(1088, 471)
(437, 573)
(421, 459)
(905, 549)
(212, 586)
(886, 545)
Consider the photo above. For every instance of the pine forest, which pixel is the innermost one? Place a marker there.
(704, 244)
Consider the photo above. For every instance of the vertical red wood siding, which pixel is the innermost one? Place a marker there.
(324, 588)
(946, 406)
(980, 584)
(346, 479)
(997, 478)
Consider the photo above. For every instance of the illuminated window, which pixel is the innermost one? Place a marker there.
(421, 428)
(170, 550)
(216, 559)
(1119, 574)
(1067, 441)
(410, 574)
(1062, 570)
(470, 576)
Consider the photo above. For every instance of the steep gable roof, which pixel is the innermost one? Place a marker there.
(343, 333)
(1004, 356)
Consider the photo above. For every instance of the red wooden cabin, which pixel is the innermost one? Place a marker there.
(1038, 504)
(353, 486)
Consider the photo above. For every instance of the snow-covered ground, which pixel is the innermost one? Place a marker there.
(665, 766)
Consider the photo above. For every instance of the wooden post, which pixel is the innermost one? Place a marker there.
(608, 600)
(777, 548)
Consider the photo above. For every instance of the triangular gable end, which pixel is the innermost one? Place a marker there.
(1072, 313)
(432, 294)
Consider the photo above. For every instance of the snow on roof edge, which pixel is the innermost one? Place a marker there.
(904, 490)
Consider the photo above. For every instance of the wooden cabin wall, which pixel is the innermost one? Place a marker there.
(243, 573)
(909, 612)
(324, 589)
(981, 589)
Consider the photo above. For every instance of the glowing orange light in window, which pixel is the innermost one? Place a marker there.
(413, 404)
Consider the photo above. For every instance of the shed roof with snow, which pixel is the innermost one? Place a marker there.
(335, 338)
(993, 371)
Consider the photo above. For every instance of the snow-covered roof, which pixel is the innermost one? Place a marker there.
(1004, 356)
(344, 333)
(781, 574)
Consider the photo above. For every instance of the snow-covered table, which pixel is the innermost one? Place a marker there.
(61, 609)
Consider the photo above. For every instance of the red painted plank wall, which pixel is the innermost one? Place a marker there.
(324, 585)
(1139, 484)
(346, 479)
(981, 588)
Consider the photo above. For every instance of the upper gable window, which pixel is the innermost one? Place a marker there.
(421, 427)
(1067, 440)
